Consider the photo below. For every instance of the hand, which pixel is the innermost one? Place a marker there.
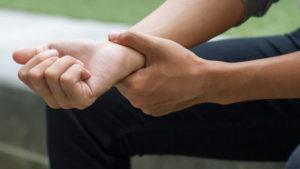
(76, 75)
(174, 78)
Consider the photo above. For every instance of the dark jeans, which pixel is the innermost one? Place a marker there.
(108, 133)
(294, 160)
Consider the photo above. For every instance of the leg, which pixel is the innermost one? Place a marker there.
(109, 132)
(294, 160)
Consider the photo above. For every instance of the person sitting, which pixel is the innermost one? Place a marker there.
(157, 88)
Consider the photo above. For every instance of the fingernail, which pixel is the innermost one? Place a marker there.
(52, 52)
(114, 36)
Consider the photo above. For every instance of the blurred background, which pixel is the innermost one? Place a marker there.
(36, 22)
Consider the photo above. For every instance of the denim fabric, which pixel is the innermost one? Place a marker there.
(294, 160)
(108, 133)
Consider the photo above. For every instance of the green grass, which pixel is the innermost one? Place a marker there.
(124, 11)
(282, 17)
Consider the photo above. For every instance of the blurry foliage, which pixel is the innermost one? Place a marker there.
(125, 11)
(283, 17)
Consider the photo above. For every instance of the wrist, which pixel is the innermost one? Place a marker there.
(224, 82)
(128, 60)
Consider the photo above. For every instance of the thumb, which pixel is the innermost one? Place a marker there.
(23, 55)
(142, 43)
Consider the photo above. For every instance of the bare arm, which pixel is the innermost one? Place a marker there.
(271, 78)
(191, 22)
(182, 79)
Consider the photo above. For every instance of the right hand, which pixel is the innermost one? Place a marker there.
(78, 73)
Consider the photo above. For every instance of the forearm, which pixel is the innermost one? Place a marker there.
(189, 22)
(192, 22)
(271, 78)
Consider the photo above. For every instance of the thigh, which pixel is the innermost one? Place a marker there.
(245, 49)
(294, 160)
(111, 130)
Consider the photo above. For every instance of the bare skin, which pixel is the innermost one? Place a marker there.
(191, 22)
(172, 78)
(183, 76)
(186, 80)
(77, 72)
(223, 15)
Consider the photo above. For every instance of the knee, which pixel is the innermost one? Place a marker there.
(99, 123)
(102, 113)
(294, 160)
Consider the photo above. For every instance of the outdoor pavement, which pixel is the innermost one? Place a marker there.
(20, 29)
(22, 117)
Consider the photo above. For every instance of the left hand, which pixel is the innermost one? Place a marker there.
(173, 78)
(77, 72)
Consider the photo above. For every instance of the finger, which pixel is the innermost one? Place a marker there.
(135, 82)
(145, 44)
(74, 84)
(23, 55)
(53, 74)
(36, 78)
(23, 72)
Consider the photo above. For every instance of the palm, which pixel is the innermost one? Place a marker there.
(105, 61)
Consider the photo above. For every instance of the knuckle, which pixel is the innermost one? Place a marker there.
(66, 79)
(39, 90)
(22, 74)
(35, 75)
(50, 74)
